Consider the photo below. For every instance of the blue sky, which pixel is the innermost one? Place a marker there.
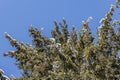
(17, 15)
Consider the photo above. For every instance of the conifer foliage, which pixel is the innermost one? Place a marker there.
(70, 55)
(2, 76)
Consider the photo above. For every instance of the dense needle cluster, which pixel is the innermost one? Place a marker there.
(70, 55)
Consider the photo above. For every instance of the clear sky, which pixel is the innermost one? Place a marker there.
(17, 15)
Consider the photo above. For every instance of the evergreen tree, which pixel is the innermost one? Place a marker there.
(69, 55)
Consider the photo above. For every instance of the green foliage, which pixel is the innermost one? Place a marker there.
(70, 55)
(118, 3)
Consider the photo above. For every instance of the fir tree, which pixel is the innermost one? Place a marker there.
(70, 55)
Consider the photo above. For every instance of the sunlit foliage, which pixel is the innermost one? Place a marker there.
(70, 55)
